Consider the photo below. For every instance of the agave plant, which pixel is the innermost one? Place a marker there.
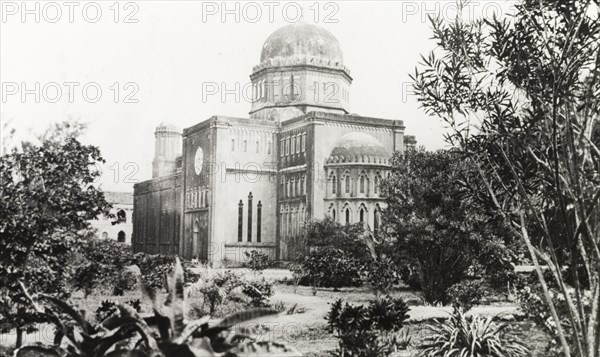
(461, 336)
(166, 333)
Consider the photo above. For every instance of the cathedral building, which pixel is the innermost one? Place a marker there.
(228, 185)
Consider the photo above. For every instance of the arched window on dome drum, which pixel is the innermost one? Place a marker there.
(334, 185)
(298, 143)
(347, 215)
(347, 183)
(362, 184)
(298, 186)
(377, 182)
(376, 219)
(269, 143)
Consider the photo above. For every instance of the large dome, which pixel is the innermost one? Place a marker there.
(359, 147)
(301, 41)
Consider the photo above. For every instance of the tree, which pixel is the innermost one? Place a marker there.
(521, 96)
(438, 234)
(47, 197)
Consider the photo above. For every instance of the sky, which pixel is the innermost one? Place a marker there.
(124, 67)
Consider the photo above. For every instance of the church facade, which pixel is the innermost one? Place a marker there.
(228, 185)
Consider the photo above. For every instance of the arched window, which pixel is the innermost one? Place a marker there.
(376, 218)
(269, 143)
(104, 235)
(304, 142)
(195, 238)
(297, 186)
(121, 216)
(232, 144)
(377, 183)
(362, 215)
(362, 184)
(293, 144)
(250, 217)
(282, 186)
(121, 237)
(293, 188)
(245, 146)
(240, 220)
(347, 183)
(298, 140)
(333, 183)
(333, 214)
(258, 221)
(257, 147)
(347, 215)
(303, 184)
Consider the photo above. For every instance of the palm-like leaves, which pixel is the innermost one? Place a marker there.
(166, 333)
(460, 336)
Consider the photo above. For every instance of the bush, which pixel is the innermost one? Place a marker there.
(101, 263)
(466, 294)
(107, 308)
(462, 336)
(382, 274)
(330, 267)
(259, 291)
(257, 261)
(156, 267)
(368, 331)
(532, 302)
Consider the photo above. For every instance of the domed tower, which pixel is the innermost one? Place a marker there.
(301, 70)
(167, 148)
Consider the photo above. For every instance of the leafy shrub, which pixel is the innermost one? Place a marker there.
(216, 289)
(156, 267)
(257, 261)
(330, 267)
(125, 281)
(259, 291)
(108, 308)
(100, 263)
(382, 274)
(532, 302)
(164, 334)
(477, 336)
(368, 331)
(409, 274)
(466, 294)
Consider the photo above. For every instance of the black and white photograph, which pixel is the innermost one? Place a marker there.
(351, 178)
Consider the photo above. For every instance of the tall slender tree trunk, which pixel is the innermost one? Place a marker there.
(19, 342)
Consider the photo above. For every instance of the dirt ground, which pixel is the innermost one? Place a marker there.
(306, 330)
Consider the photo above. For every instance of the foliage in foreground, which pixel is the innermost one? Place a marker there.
(47, 198)
(520, 95)
(166, 333)
(368, 331)
(470, 337)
